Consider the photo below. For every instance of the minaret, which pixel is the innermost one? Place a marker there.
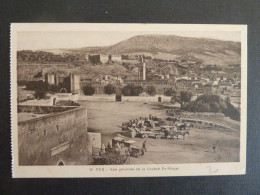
(144, 71)
(144, 68)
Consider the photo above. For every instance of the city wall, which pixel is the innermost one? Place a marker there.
(111, 98)
(43, 109)
(38, 136)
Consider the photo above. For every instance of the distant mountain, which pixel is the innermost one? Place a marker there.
(172, 44)
(210, 51)
(167, 47)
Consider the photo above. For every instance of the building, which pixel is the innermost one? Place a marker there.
(101, 58)
(94, 58)
(50, 79)
(74, 83)
(53, 136)
(142, 70)
(116, 58)
(65, 83)
(184, 83)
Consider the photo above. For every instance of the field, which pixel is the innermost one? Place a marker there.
(107, 117)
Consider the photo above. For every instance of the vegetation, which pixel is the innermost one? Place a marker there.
(33, 85)
(132, 90)
(213, 103)
(183, 97)
(53, 88)
(40, 93)
(211, 67)
(169, 92)
(151, 90)
(40, 88)
(42, 56)
(109, 89)
(88, 90)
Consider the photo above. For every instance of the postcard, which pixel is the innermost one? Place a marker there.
(128, 100)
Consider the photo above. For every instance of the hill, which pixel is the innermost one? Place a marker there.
(210, 51)
(172, 44)
(167, 47)
(213, 103)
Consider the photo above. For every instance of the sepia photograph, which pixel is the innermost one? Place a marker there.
(122, 100)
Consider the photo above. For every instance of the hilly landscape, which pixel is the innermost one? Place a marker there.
(165, 47)
(209, 51)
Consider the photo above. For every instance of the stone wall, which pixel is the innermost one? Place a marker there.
(44, 109)
(112, 98)
(36, 138)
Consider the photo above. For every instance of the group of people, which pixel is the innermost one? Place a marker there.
(143, 123)
(179, 125)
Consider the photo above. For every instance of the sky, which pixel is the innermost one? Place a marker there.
(59, 40)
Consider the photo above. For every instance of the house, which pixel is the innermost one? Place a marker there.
(196, 84)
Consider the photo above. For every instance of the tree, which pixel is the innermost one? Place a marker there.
(33, 85)
(169, 92)
(88, 90)
(40, 93)
(213, 103)
(40, 89)
(126, 91)
(151, 90)
(137, 90)
(228, 99)
(182, 97)
(53, 88)
(109, 89)
(132, 90)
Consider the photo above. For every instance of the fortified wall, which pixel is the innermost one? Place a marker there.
(58, 138)
(44, 109)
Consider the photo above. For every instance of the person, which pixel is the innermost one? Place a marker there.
(103, 150)
(118, 145)
(144, 145)
(109, 145)
(103, 147)
(214, 148)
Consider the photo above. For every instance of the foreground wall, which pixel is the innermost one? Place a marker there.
(44, 109)
(36, 138)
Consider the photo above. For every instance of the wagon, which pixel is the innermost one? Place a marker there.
(136, 151)
(146, 134)
(116, 141)
(128, 145)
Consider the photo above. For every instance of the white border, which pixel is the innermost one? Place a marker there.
(191, 169)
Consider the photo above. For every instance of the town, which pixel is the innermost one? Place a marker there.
(154, 76)
(126, 108)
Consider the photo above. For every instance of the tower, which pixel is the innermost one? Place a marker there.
(50, 78)
(74, 83)
(144, 71)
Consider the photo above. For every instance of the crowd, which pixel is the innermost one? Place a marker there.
(141, 123)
